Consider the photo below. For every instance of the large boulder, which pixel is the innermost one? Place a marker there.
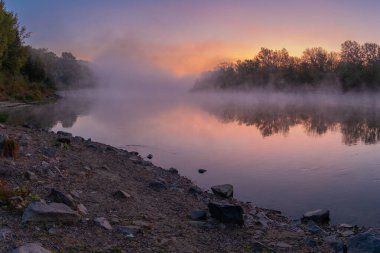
(319, 216)
(44, 213)
(226, 213)
(224, 190)
(31, 248)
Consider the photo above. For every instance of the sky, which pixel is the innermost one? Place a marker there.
(189, 37)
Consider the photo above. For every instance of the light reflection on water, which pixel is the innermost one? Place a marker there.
(288, 154)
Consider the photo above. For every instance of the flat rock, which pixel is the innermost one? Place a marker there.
(54, 212)
(226, 213)
(31, 248)
(224, 190)
(103, 222)
(319, 216)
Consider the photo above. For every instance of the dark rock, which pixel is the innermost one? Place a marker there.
(365, 242)
(225, 190)
(195, 190)
(173, 170)
(150, 156)
(198, 215)
(134, 153)
(319, 216)
(310, 242)
(157, 185)
(201, 171)
(64, 134)
(60, 197)
(55, 212)
(31, 248)
(64, 140)
(226, 213)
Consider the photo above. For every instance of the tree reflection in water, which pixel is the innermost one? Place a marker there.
(356, 123)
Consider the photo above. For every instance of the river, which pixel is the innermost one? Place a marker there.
(291, 152)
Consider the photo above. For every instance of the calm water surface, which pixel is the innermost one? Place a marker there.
(288, 152)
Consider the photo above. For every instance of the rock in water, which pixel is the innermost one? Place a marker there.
(30, 248)
(319, 216)
(150, 156)
(55, 212)
(226, 213)
(365, 242)
(224, 190)
(201, 171)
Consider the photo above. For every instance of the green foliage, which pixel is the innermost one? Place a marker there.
(4, 117)
(29, 74)
(15, 199)
(356, 67)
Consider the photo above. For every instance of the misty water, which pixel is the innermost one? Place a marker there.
(291, 152)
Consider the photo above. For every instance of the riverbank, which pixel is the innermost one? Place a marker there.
(116, 201)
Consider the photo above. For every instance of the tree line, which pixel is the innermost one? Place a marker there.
(355, 68)
(33, 74)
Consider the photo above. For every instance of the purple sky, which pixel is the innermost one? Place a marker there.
(190, 36)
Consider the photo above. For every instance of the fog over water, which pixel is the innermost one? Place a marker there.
(292, 152)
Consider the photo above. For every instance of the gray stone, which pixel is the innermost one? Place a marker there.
(226, 213)
(103, 222)
(121, 195)
(150, 156)
(319, 216)
(225, 190)
(31, 248)
(44, 213)
(60, 197)
(130, 231)
(82, 209)
(365, 242)
(198, 215)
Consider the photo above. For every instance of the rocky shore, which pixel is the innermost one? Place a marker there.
(61, 193)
